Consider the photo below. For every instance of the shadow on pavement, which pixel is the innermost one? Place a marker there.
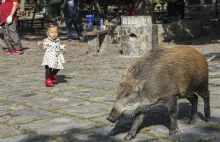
(62, 78)
(157, 115)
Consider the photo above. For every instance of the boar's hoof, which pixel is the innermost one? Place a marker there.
(128, 137)
(173, 131)
(191, 121)
(207, 119)
(111, 119)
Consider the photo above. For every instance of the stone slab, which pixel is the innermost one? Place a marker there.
(59, 126)
(25, 115)
(85, 93)
(103, 135)
(6, 131)
(214, 90)
(7, 107)
(98, 84)
(110, 99)
(57, 102)
(215, 113)
(88, 110)
(5, 91)
(25, 138)
(215, 81)
(214, 100)
(29, 97)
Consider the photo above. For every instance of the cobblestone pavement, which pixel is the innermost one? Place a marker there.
(75, 110)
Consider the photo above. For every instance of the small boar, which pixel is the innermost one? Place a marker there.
(163, 75)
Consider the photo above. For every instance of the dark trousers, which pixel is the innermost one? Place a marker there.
(75, 21)
(48, 71)
(11, 36)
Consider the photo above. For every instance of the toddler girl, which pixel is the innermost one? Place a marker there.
(53, 57)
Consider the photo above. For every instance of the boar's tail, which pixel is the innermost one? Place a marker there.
(211, 58)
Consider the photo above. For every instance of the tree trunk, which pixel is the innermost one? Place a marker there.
(97, 6)
(143, 7)
(202, 2)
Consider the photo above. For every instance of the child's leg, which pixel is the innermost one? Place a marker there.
(48, 81)
(55, 71)
(47, 72)
(53, 75)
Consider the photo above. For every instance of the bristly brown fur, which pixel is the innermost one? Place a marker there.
(163, 70)
(163, 76)
(127, 84)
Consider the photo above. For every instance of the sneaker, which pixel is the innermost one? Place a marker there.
(81, 39)
(21, 52)
(17, 52)
(69, 40)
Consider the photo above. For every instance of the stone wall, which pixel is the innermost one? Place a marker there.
(114, 34)
(183, 30)
(137, 35)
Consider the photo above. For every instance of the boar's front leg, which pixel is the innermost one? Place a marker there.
(133, 131)
(172, 108)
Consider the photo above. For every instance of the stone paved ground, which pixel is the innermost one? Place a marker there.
(75, 110)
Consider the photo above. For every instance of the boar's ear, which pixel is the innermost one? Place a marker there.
(138, 89)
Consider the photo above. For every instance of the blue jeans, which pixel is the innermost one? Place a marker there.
(77, 24)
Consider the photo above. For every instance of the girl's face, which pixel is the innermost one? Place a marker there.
(52, 32)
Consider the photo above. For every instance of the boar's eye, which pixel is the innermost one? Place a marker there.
(126, 94)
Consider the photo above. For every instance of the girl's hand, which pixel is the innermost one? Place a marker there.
(65, 46)
(40, 43)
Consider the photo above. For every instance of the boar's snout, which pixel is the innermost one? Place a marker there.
(114, 116)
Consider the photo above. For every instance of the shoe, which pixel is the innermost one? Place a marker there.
(69, 40)
(21, 52)
(48, 83)
(7, 52)
(53, 78)
(81, 39)
(17, 52)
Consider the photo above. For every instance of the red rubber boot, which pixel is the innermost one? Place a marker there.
(53, 78)
(48, 83)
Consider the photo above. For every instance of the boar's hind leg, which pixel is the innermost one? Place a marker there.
(172, 108)
(206, 99)
(133, 131)
(194, 102)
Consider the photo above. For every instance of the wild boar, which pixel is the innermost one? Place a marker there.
(163, 75)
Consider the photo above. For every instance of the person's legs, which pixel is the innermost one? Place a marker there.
(47, 72)
(55, 71)
(7, 38)
(69, 28)
(48, 81)
(14, 37)
(53, 75)
(77, 25)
